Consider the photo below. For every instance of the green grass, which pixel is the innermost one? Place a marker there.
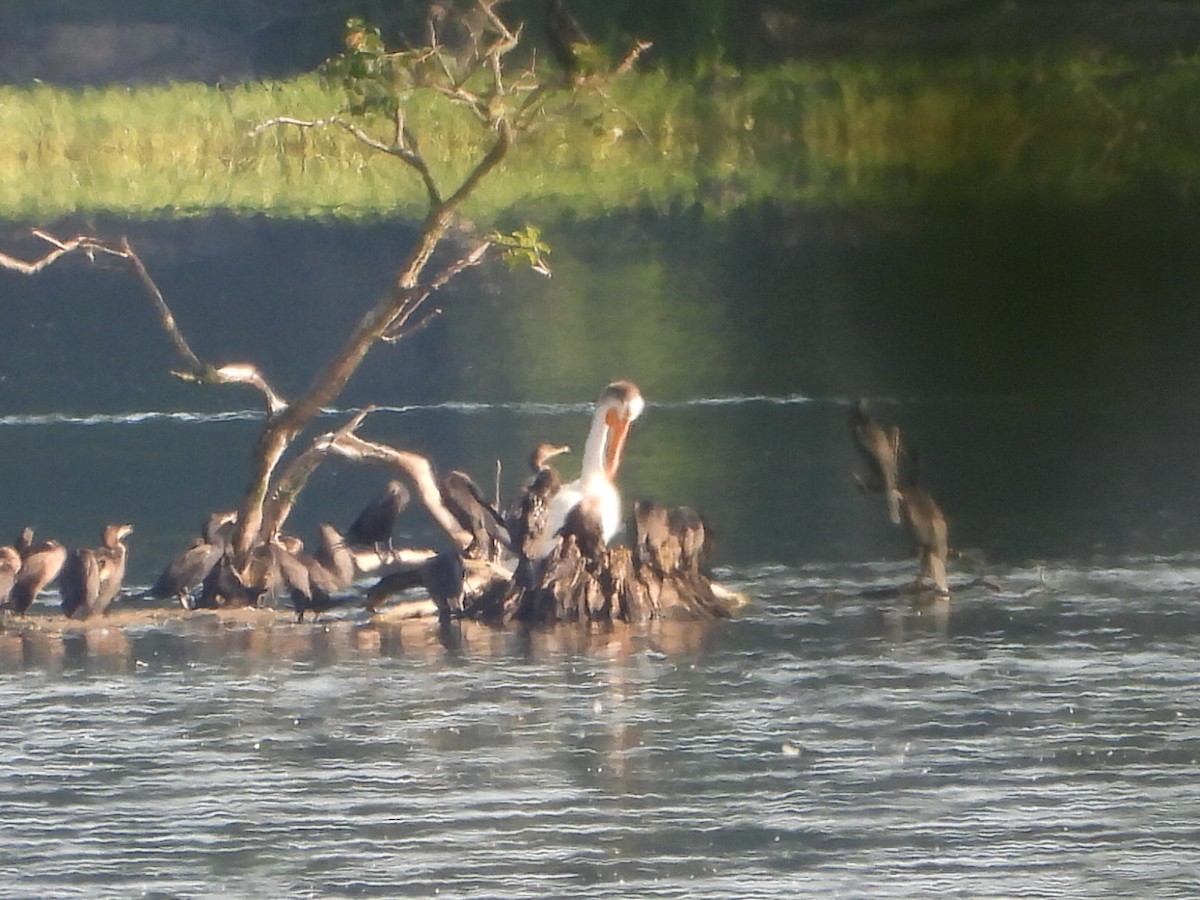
(849, 133)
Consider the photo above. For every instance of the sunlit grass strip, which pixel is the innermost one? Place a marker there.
(843, 133)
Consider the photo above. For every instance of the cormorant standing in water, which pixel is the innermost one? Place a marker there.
(374, 525)
(926, 524)
(91, 579)
(40, 565)
(880, 452)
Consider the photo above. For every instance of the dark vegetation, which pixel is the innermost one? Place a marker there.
(140, 41)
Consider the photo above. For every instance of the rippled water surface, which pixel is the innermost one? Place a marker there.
(1039, 735)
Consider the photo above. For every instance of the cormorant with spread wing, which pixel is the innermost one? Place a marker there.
(880, 452)
(40, 565)
(92, 578)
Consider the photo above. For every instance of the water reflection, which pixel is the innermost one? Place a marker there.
(821, 608)
(252, 640)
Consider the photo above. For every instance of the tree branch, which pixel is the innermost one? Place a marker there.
(295, 476)
(236, 373)
(396, 328)
(195, 370)
(416, 467)
(84, 243)
(164, 312)
(397, 148)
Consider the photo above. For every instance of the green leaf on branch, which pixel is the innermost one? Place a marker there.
(524, 247)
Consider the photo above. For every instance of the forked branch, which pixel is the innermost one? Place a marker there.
(403, 145)
(194, 369)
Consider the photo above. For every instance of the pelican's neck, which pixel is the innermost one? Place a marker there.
(594, 449)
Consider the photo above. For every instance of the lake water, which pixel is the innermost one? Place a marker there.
(1037, 736)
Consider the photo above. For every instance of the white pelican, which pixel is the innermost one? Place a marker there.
(595, 488)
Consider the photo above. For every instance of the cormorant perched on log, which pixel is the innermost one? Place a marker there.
(313, 582)
(880, 452)
(187, 572)
(527, 517)
(391, 584)
(10, 565)
(374, 525)
(40, 565)
(462, 496)
(91, 579)
(218, 529)
(695, 539)
(457, 587)
(671, 560)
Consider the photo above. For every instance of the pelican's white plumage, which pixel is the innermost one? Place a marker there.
(619, 405)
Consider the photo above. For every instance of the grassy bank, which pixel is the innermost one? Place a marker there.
(847, 133)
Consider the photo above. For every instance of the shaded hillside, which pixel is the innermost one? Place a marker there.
(236, 40)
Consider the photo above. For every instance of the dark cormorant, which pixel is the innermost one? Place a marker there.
(391, 584)
(695, 540)
(475, 514)
(223, 588)
(374, 525)
(655, 546)
(444, 577)
(218, 529)
(40, 565)
(671, 560)
(187, 572)
(91, 579)
(313, 582)
(880, 451)
(79, 583)
(191, 568)
(526, 520)
(926, 523)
